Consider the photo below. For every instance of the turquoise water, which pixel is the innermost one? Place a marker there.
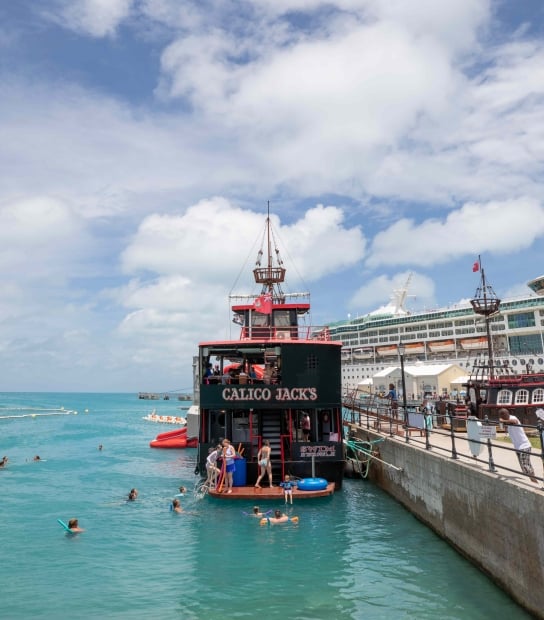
(356, 555)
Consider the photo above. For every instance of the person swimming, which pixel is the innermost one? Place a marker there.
(132, 495)
(278, 517)
(4, 461)
(73, 526)
(176, 506)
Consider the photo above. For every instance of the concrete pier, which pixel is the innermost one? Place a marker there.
(495, 519)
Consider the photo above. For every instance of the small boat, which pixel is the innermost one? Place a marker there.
(474, 343)
(441, 346)
(387, 350)
(165, 419)
(363, 353)
(174, 439)
(414, 347)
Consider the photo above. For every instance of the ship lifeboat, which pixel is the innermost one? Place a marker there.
(442, 346)
(362, 354)
(174, 439)
(413, 348)
(387, 350)
(346, 355)
(474, 343)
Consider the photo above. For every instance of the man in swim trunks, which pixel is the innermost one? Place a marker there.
(228, 454)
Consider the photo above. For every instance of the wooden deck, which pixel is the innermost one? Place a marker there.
(267, 493)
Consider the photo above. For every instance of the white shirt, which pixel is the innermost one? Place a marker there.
(517, 434)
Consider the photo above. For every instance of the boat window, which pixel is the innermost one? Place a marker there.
(538, 396)
(282, 318)
(522, 397)
(504, 397)
(259, 320)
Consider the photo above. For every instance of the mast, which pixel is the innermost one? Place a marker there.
(485, 303)
(272, 275)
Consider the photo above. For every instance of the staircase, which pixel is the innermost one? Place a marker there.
(271, 429)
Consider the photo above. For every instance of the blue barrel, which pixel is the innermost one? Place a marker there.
(239, 477)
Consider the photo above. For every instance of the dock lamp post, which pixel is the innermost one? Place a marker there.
(402, 349)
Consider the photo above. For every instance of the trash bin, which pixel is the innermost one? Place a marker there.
(239, 478)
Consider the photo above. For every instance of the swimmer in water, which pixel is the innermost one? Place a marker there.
(132, 495)
(37, 458)
(73, 526)
(4, 461)
(176, 506)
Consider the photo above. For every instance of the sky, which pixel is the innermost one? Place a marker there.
(141, 141)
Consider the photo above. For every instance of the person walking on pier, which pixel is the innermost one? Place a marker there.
(522, 445)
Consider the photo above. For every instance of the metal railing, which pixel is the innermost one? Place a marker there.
(430, 430)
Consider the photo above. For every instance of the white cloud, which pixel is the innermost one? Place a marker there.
(211, 240)
(497, 227)
(379, 291)
(97, 18)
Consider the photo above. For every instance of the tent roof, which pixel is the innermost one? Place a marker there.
(417, 370)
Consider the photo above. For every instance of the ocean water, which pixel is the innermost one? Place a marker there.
(356, 555)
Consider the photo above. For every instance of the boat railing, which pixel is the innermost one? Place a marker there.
(450, 431)
(296, 332)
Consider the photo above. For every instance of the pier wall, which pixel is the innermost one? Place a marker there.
(496, 524)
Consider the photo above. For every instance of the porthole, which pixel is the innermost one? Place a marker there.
(514, 362)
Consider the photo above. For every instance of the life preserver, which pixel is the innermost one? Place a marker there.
(277, 521)
(312, 484)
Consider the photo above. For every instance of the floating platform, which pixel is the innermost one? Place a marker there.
(267, 493)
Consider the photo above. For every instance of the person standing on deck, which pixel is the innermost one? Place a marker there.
(211, 466)
(521, 444)
(263, 457)
(306, 427)
(228, 454)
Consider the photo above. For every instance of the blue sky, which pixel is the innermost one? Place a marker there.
(142, 139)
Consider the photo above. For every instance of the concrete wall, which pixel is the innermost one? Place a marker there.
(498, 525)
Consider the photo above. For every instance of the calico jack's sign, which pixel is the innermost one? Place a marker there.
(269, 394)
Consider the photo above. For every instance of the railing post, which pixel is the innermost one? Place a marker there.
(406, 425)
(540, 428)
(452, 434)
(391, 424)
(489, 449)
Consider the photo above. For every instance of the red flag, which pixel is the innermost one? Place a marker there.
(476, 266)
(263, 304)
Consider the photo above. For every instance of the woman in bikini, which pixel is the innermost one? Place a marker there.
(265, 464)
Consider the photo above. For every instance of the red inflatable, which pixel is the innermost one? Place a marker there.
(179, 431)
(174, 439)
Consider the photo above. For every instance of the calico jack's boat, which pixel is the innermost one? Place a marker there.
(298, 378)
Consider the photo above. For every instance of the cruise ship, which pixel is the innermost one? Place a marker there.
(453, 335)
